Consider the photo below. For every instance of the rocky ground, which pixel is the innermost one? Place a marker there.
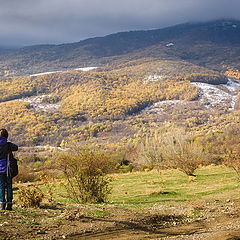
(58, 221)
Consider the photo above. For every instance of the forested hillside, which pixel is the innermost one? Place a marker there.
(82, 97)
(186, 74)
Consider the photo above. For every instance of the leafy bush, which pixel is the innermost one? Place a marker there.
(85, 171)
(30, 196)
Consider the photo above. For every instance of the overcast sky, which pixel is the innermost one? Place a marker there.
(28, 22)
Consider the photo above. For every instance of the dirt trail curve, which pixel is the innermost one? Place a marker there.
(122, 224)
(226, 228)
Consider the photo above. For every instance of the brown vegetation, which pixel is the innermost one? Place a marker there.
(173, 147)
(85, 172)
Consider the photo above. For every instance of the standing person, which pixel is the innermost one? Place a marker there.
(6, 149)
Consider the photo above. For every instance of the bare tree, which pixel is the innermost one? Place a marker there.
(173, 147)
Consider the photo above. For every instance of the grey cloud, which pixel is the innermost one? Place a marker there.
(28, 22)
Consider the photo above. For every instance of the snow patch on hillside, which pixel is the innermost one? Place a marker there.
(210, 96)
(152, 78)
(159, 107)
(170, 44)
(85, 69)
(232, 85)
(224, 95)
(36, 102)
(44, 73)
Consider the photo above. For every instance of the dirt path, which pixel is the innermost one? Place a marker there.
(225, 229)
(76, 222)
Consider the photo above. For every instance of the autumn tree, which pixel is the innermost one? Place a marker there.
(173, 147)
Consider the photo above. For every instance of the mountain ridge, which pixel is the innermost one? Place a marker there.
(102, 50)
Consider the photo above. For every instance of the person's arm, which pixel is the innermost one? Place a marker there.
(13, 147)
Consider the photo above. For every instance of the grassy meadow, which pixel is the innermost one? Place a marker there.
(143, 190)
(144, 204)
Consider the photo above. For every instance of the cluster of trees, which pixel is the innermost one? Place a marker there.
(176, 147)
(213, 78)
(172, 147)
(115, 100)
(169, 69)
(16, 88)
(95, 97)
(86, 169)
(19, 87)
(233, 74)
(92, 129)
(24, 124)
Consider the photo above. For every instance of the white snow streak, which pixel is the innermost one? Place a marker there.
(44, 73)
(170, 44)
(231, 85)
(152, 78)
(85, 69)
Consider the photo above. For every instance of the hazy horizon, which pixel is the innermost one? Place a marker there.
(32, 22)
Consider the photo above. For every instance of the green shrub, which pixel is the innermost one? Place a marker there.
(85, 170)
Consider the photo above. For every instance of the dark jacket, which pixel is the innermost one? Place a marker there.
(5, 149)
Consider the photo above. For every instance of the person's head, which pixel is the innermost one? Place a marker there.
(3, 133)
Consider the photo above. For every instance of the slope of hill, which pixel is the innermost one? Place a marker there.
(106, 107)
(211, 44)
(143, 79)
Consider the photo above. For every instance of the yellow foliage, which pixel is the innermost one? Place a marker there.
(116, 98)
(233, 74)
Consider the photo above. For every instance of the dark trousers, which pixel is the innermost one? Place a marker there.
(5, 189)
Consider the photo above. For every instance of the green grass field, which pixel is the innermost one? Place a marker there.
(146, 189)
(169, 194)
